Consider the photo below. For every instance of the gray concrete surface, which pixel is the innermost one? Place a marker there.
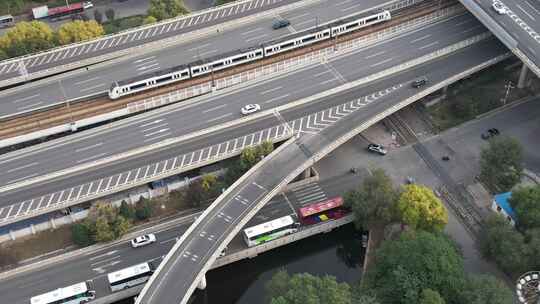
(219, 109)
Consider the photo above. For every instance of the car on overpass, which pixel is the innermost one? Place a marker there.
(499, 7)
(375, 148)
(280, 24)
(250, 109)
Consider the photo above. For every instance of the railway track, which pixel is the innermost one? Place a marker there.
(64, 114)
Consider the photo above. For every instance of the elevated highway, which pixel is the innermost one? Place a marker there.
(186, 46)
(37, 192)
(518, 29)
(184, 267)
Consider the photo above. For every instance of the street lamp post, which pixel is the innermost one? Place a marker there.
(66, 100)
(509, 85)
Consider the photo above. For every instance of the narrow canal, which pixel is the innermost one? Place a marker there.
(338, 253)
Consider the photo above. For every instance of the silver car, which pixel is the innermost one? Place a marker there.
(499, 7)
(143, 240)
(250, 109)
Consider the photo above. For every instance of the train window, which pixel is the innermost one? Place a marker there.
(288, 45)
(308, 39)
(218, 64)
(163, 79)
(196, 70)
(371, 19)
(185, 74)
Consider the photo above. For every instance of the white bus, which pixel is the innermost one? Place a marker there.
(271, 230)
(6, 20)
(77, 293)
(129, 277)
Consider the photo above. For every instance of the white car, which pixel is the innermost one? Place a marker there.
(250, 109)
(377, 149)
(87, 4)
(499, 7)
(143, 240)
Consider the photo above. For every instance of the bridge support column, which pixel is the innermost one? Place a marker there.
(444, 90)
(307, 173)
(523, 76)
(202, 283)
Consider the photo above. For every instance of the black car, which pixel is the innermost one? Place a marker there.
(490, 133)
(280, 23)
(418, 82)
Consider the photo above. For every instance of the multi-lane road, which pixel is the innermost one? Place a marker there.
(521, 23)
(184, 266)
(98, 80)
(215, 110)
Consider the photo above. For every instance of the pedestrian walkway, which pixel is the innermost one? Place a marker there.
(309, 194)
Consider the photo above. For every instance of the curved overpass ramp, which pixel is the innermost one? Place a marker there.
(186, 264)
(517, 29)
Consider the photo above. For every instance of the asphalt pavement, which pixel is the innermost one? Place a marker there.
(98, 80)
(220, 108)
(180, 272)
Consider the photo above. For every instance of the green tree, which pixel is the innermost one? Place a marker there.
(500, 242)
(121, 226)
(104, 230)
(126, 210)
(421, 209)
(364, 299)
(429, 296)
(501, 163)
(81, 234)
(76, 31)
(110, 14)
(164, 9)
(249, 158)
(98, 16)
(526, 203)
(486, 289)
(233, 173)
(149, 20)
(306, 288)
(208, 181)
(416, 261)
(278, 284)
(143, 209)
(374, 201)
(195, 195)
(27, 37)
(532, 237)
(265, 148)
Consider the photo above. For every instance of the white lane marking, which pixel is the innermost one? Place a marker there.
(102, 255)
(215, 108)
(271, 90)
(157, 137)
(220, 117)
(463, 22)
(251, 31)
(421, 38)
(351, 7)
(25, 98)
(105, 260)
(322, 73)
(256, 37)
(428, 45)
(92, 87)
(299, 24)
(533, 8)
(328, 81)
(86, 80)
(277, 98)
(23, 178)
(142, 68)
(144, 59)
(298, 16)
(149, 70)
(91, 157)
(154, 127)
(205, 53)
(375, 55)
(30, 106)
(525, 12)
(156, 132)
(381, 62)
(23, 167)
(199, 47)
(343, 2)
(151, 123)
(169, 240)
(89, 147)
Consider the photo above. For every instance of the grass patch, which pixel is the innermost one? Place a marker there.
(121, 24)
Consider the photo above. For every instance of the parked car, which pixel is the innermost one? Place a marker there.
(250, 109)
(379, 149)
(87, 4)
(418, 82)
(490, 133)
(499, 7)
(280, 23)
(143, 240)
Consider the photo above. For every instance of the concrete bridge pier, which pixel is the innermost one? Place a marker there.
(522, 76)
(202, 283)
